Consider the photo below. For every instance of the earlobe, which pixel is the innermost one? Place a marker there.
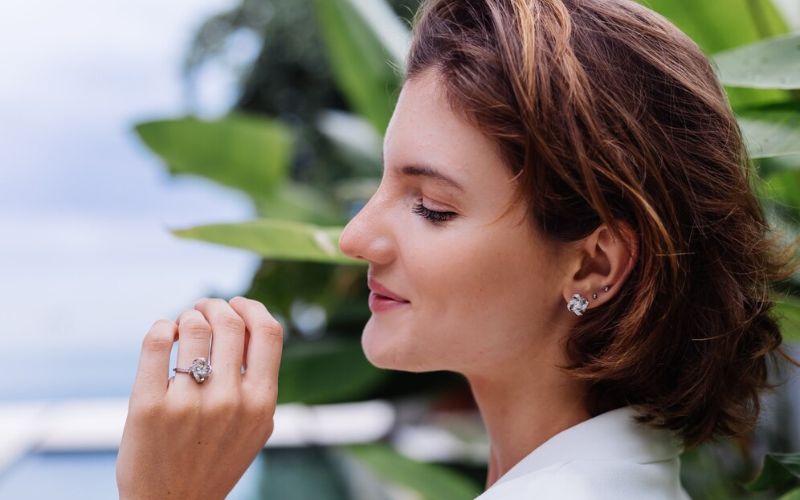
(605, 263)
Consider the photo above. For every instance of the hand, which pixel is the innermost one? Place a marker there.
(189, 441)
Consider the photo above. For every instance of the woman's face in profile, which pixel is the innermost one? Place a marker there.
(481, 291)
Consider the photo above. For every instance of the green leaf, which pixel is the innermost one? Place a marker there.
(779, 471)
(425, 481)
(300, 202)
(362, 64)
(788, 311)
(240, 151)
(792, 495)
(772, 130)
(275, 239)
(769, 64)
(326, 371)
(717, 25)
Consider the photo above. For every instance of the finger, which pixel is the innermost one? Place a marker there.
(194, 341)
(266, 341)
(228, 344)
(153, 368)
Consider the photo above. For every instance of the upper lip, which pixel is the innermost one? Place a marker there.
(382, 290)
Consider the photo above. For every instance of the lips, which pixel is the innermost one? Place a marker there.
(381, 290)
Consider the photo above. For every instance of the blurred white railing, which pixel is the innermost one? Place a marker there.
(96, 425)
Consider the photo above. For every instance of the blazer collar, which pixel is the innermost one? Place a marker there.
(613, 435)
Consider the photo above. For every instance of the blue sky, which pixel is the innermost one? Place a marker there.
(86, 261)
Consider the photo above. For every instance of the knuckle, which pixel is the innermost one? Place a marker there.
(226, 404)
(181, 409)
(257, 305)
(231, 322)
(251, 307)
(212, 303)
(271, 327)
(196, 328)
(259, 407)
(262, 397)
(241, 301)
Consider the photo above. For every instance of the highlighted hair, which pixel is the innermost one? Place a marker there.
(606, 112)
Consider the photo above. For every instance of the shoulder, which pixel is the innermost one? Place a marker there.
(595, 480)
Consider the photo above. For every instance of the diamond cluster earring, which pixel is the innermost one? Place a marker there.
(578, 303)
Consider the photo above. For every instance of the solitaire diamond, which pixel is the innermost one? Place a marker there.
(200, 369)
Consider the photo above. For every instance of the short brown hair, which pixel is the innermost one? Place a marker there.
(605, 111)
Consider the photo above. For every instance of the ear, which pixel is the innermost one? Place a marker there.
(602, 260)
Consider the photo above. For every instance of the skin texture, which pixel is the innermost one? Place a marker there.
(487, 296)
(486, 299)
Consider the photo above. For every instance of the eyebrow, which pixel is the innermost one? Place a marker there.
(430, 172)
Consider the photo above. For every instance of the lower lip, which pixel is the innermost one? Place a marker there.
(379, 303)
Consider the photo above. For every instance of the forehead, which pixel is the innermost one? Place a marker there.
(425, 130)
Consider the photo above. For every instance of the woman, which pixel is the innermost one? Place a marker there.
(565, 218)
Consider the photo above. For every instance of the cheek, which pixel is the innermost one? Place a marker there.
(476, 295)
(489, 280)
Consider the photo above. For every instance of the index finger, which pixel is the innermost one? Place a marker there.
(151, 376)
(266, 340)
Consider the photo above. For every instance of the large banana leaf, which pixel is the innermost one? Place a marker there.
(300, 202)
(779, 471)
(772, 130)
(241, 151)
(718, 25)
(419, 480)
(365, 70)
(769, 64)
(326, 371)
(275, 239)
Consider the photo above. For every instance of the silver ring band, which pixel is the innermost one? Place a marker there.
(200, 370)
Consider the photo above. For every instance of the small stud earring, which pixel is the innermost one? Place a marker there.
(605, 288)
(577, 304)
(594, 295)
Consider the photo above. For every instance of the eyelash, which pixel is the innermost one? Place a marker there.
(434, 217)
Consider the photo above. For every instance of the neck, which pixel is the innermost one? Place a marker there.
(524, 407)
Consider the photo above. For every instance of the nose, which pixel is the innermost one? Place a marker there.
(368, 234)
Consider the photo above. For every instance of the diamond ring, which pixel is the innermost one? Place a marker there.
(200, 370)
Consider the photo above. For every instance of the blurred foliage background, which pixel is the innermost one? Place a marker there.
(304, 143)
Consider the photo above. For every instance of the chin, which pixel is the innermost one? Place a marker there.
(388, 349)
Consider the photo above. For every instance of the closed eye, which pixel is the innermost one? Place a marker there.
(433, 216)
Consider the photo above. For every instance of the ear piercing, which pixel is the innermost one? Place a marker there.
(578, 303)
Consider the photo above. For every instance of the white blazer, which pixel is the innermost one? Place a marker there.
(609, 456)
